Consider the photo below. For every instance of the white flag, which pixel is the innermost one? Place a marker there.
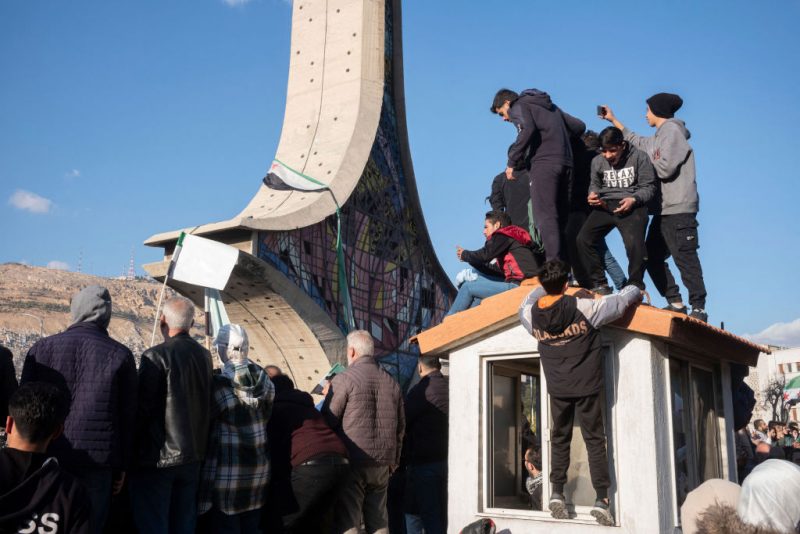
(204, 262)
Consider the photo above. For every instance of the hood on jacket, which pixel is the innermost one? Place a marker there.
(32, 479)
(680, 125)
(93, 305)
(553, 318)
(250, 383)
(535, 96)
(723, 519)
(516, 233)
(714, 491)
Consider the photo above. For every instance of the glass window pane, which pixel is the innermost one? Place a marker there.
(679, 432)
(504, 429)
(515, 430)
(705, 423)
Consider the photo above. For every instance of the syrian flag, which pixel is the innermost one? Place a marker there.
(202, 262)
(791, 391)
(283, 177)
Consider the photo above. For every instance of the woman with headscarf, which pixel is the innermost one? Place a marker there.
(236, 471)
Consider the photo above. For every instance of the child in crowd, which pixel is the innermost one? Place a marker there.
(510, 247)
(567, 330)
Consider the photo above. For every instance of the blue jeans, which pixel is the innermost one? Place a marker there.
(97, 481)
(471, 293)
(426, 498)
(612, 267)
(164, 500)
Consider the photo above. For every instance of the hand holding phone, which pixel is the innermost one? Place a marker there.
(601, 111)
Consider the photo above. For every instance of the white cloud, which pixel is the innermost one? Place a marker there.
(235, 3)
(781, 334)
(74, 173)
(25, 200)
(58, 265)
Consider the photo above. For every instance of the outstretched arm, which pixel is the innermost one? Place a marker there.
(609, 308)
(527, 305)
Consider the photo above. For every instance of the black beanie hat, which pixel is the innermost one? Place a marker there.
(664, 105)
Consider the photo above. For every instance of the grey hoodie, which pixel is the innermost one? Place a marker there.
(633, 176)
(673, 160)
(92, 305)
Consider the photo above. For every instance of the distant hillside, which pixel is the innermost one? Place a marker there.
(46, 294)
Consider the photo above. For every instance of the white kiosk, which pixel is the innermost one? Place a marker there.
(668, 414)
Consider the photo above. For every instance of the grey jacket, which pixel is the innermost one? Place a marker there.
(673, 160)
(365, 407)
(632, 177)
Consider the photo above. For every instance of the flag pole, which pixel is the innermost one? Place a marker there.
(170, 269)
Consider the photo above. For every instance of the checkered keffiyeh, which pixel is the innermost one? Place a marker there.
(236, 470)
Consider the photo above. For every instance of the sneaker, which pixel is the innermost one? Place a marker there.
(602, 514)
(683, 309)
(602, 290)
(558, 506)
(699, 313)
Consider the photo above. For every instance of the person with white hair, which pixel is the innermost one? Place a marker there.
(364, 406)
(236, 471)
(172, 425)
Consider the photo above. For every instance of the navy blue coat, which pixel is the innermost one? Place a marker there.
(100, 376)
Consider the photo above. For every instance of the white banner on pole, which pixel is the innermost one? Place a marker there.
(204, 262)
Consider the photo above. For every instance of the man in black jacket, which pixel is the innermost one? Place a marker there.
(35, 494)
(426, 441)
(510, 247)
(172, 425)
(567, 330)
(543, 145)
(99, 375)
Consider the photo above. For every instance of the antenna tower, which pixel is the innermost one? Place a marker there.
(131, 268)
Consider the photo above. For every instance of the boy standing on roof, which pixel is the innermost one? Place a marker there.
(510, 247)
(622, 181)
(567, 329)
(673, 230)
(543, 143)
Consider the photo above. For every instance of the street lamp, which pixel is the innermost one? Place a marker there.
(41, 322)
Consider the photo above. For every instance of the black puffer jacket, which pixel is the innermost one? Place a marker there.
(100, 376)
(365, 407)
(175, 401)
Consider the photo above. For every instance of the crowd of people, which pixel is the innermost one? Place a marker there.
(565, 189)
(98, 444)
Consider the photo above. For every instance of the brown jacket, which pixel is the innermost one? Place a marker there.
(365, 407)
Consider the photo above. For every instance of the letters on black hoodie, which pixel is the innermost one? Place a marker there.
(37, 497)
(569, 338)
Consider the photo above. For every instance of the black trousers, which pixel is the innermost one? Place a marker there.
(632, 226)
(575, 223)
(550, 203)
(590, 419)
(676, 236)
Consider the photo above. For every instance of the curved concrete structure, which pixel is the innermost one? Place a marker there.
(344, 126)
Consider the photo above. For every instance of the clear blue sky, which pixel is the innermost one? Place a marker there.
(130, 118)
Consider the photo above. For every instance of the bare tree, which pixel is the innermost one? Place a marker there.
(773, 397)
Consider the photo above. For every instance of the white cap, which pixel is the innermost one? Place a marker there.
(232, 343)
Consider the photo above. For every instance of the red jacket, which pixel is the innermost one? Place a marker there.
(511, 247)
